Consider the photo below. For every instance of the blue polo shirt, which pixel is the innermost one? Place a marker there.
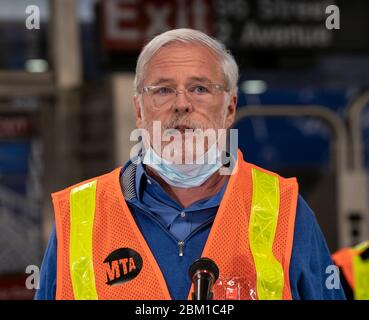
(164, 223)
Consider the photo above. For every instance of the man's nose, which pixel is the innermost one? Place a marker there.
(182, 104)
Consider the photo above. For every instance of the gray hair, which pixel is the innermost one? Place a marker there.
(227, 61)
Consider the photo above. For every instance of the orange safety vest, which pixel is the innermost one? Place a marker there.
(354, 269)
(101, 253)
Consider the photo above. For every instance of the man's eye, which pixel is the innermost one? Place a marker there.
(163, 91)
(199, 89)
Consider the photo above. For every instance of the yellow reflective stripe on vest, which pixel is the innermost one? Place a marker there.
(262, 229)
(82, 211)
(361, 273)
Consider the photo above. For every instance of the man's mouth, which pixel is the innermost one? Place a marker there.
(182, 128)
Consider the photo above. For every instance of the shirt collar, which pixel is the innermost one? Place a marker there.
(140, 176)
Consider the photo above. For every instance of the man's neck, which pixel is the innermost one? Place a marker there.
(186, 196)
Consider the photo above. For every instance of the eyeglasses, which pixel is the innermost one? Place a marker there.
(201, 94)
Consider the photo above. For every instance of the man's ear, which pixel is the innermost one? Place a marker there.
(138, 112)
(231, 111)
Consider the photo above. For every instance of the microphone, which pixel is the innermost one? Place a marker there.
(203, 274)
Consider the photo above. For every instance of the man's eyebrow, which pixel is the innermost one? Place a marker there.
(173, 81)
(200, 79)
(163, 80)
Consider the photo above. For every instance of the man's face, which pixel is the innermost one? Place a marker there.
(180, 66)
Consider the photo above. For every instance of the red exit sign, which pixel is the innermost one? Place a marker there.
(129, 24)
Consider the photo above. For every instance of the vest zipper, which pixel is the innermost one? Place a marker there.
(182, 242)
(180, 248)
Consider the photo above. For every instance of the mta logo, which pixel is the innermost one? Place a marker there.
(122, 265)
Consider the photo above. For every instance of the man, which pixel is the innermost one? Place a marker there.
(133, 233)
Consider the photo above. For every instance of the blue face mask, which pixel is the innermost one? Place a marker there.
(184, 175)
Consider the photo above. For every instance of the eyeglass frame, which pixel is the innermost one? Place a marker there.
(218, 87)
